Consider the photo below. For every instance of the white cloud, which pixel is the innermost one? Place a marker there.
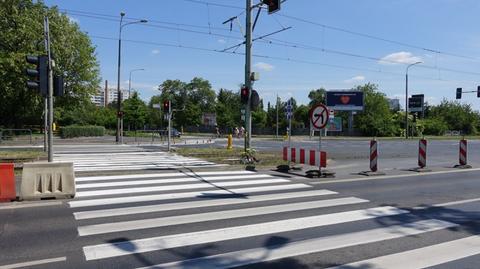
(355, 79)
(264, 66)
(73, 20)
(155, 51)
(222, 41)
(401, 57)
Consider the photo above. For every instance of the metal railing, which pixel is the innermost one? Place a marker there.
(9, 134)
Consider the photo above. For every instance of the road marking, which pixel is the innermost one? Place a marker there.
(196, 194)
(169, 180)
(263, 254)
(143, 167)
(160, 175)
(423, 257)
(459, 202)
(187, 239)
(33, 263)
(395, 176)
(179, 187)
(196, 204)
(18, 205)
(211, 216)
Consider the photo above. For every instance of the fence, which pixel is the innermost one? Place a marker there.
(15, 134)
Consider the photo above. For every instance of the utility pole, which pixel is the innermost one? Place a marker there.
(276, 125)
(248, 67)
(406, 97)
(50, 90)
(45, 125)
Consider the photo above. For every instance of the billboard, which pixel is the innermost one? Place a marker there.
(345, 100)
(334, 124)
(415, 103)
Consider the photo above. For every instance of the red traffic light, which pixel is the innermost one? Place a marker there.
(244, 94)
(166, 106)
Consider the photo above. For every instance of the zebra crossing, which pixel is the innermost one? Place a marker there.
(226, 219)
(130, 160)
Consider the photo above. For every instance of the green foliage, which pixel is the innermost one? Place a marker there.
(80, 131)
(317, 96)
(135, 112)
(434, 126)
(376, 119)
(228, 109)
(21, 35)
(456, 116)
(88, 114)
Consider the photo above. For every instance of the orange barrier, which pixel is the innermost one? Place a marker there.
(7, 182)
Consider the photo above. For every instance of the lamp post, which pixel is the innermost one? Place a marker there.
(119, 94)
(406, 98)
(130, 79)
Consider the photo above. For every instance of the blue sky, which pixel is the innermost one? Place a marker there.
(443, 34)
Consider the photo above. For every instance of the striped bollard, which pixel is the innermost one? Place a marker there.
(422, 153)
(463, 152)
(373, 156)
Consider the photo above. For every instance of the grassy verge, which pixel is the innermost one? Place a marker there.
(19, 157)
(232, 157)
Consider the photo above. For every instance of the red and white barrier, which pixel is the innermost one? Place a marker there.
(302, 156)
(463, 152)
(422, 153)
(373, 156)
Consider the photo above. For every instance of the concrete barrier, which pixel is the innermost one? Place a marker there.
(47, 180)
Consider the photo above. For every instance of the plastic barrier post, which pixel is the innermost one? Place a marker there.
(7, 182)
(373, 156)
(422, 153)
(463, 152)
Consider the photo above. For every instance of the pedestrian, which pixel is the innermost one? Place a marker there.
(217, 131)
(236, 132)
(242, 131)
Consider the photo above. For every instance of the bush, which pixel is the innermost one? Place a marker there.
(434, 126)
(78, 131)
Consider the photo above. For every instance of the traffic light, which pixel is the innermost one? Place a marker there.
(39, 75)
(478, 91)
(273, 5)
(244, 94)
(58, 89)
(166, 106)
(459, 93)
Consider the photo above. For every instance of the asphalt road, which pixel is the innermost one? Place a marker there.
(180, 218)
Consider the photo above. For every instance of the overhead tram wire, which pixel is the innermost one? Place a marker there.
(377, 38)
(272, 41)
(405, 44)
(273, 58)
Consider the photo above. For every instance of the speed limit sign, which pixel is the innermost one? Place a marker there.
(319, 117)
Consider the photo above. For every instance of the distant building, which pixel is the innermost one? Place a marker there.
(394, 103)
(106, 95)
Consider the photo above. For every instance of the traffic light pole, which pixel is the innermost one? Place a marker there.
(45, 125)
(248, 66)
(50, 90)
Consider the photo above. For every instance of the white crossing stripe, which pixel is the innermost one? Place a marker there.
(167, 181)
(179, 187)
(195, 204)
(162, 175)
(186, 239)
(264, 254)
(167, 196)
(211, 216)
(423, 257)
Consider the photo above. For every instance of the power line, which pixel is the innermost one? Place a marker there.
(278, 42)
(378, 38)
(405, 44)
(270, 57)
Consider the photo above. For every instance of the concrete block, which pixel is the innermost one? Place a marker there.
(47, 180)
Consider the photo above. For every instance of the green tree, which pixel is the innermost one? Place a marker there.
(135, 112)
(376, 119)
(228, 109)
(21, 35)
(456, 116)
(317, 96)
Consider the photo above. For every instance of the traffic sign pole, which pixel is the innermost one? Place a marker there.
(319, 117)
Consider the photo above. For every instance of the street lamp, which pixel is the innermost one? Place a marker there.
(119, 94)
(130, 79)
(406, 97)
